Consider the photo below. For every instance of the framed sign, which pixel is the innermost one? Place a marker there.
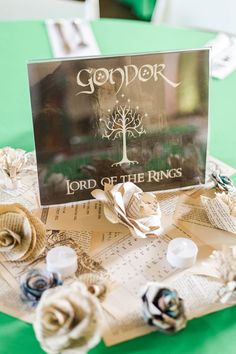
(139, 118)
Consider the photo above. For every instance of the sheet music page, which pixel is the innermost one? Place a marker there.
(131, 263)
(127, 262)
(11, 272)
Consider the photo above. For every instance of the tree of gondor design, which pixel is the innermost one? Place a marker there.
(123, 121)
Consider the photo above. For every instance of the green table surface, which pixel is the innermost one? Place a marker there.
(23, 41)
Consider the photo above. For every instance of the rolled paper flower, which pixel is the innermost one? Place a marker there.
(67, 320)
(163, 308)
(127, 204)
(35, 282)
(22, 235)
(223, 183)
(12, 161)
(95, 284)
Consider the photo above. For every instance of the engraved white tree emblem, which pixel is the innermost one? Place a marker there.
(123, 121)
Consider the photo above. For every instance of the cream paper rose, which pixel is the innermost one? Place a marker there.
(22, 235)
(67, 320)
(127, 204)
(15, 164)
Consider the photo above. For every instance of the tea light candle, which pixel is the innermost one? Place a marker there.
(182, 252)
(62, 260)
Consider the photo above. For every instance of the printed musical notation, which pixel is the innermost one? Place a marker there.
(132, 262)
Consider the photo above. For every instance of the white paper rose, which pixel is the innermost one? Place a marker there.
(14, 163)
(22, 235)
(67, 320)
(127, 204)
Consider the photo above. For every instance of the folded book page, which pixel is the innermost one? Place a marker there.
(131, 263)
(11, 272)
(87, 216)
(191, 216)
(200, 293)
(78, 216)
(219, 214)
(127, 262)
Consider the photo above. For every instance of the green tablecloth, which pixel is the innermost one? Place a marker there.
(22, 41)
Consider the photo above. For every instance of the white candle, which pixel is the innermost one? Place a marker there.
(62, 260)
(182, 252)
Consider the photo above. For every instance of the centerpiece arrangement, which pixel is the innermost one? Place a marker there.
(118, 240)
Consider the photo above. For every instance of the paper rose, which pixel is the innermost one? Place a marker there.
(222, 183)
(12, 163)
(163, 308)
(67, 320)
(35, 282)
(225, 264)
(22, 235)
(127, 204)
